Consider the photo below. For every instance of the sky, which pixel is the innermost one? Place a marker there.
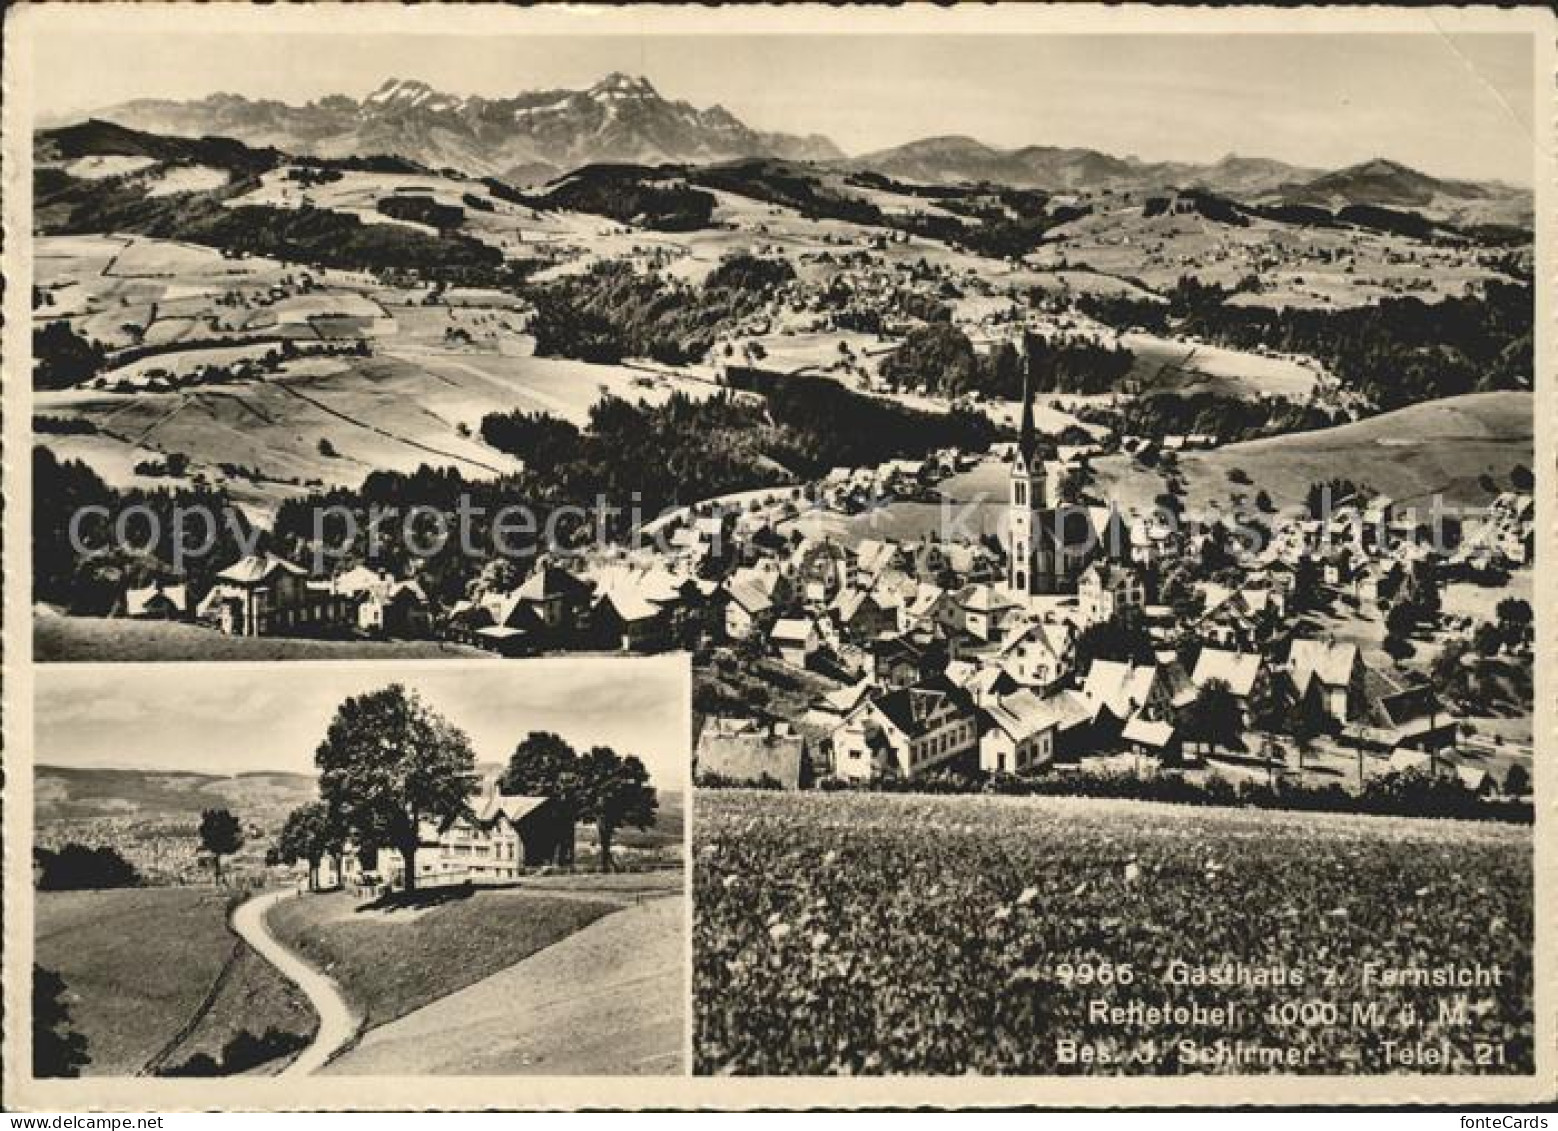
(1458, 105)
(228, 718)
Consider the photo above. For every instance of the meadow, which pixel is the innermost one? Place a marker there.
(865, 934)
(153, 975)
(391, 960)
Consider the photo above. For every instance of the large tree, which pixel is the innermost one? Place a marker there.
(544, 765)
(390, 762)
(311, 834)
(617, 794)
(599, 786)
(1212, 718)
(1123, 638)
(220, 835)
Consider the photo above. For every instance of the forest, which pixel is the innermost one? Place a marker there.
(1398, 352)
(939, 358)
(614, 312)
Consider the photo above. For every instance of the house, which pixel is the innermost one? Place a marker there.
(982, 610)
(1152, 738)
(1239, 618)
(898, 661)
(1244, 673)
(1075, 724)
(386, 605)
(862, 614)
(796, 639)
(747, 607)
(1331, 672)
(1403, 716)
(1124, 689)
(624, 616)
(264, 595)
(1017, 734)
(831, 709)
(157, 602)
(874, 557)
(558, 600)
(752, 757)
(1107, 590)
(503, 835)
(1039, 655)
(926, 604)
(639, 608)
(908, 732)
(821, 568)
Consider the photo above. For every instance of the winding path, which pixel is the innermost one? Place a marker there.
(337, 1023)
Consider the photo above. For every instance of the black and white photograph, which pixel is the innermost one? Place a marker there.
(994, 550)
(361, 869)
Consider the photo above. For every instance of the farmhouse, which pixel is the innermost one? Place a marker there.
(907, 733)
(264, 595)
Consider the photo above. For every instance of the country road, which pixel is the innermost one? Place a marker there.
(337, 1023)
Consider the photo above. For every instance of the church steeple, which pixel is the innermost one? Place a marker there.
(1025, 438)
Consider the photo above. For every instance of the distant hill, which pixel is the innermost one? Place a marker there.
(97, 138)
(1389, 184)
(528, 137)
(955, 160)
(69, 793)
(1378, 183)
(62, 793)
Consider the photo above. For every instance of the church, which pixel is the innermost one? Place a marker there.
(1048, 543)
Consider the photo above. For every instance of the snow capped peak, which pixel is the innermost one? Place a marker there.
(619, 85)
(410, 93)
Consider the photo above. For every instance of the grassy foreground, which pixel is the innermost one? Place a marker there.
(857, 933)
(389, 962)
(139, 964)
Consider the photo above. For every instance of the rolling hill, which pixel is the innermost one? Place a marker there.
(74, 793)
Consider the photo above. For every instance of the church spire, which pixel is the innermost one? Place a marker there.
(1025, 438)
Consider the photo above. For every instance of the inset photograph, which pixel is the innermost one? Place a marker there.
(361, 868)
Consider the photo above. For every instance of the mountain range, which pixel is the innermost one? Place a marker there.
(533, 137)
(528, 138)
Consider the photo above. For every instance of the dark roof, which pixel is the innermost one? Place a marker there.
(908, 707)
(552, 581)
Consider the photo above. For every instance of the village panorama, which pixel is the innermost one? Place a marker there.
(1088, 563)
